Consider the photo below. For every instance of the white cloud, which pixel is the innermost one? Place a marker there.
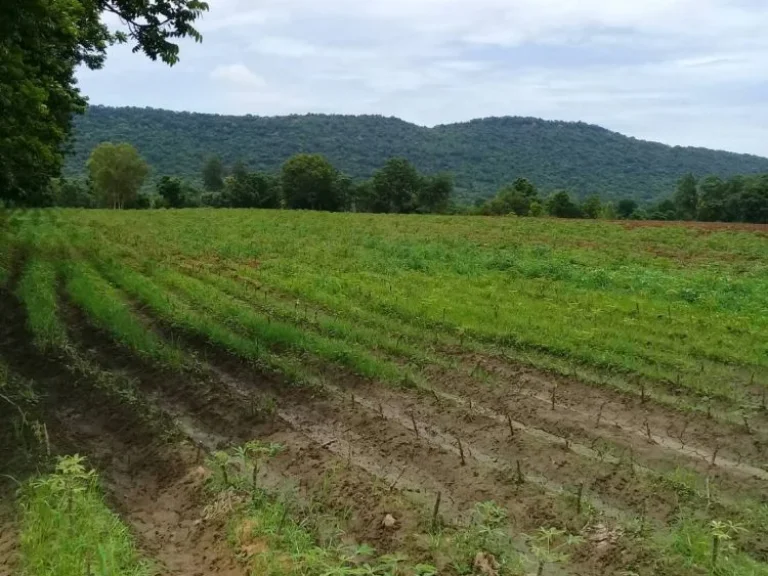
(239, 75)
(284, 46)
(680, 71)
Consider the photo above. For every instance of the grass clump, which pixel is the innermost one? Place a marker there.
(107, 309)
(707, 548)
(276, 334)
(67, 529)
(37, 291)
(484, 542)
(275, 534)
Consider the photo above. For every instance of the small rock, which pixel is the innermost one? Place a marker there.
(486, 564)
(389, 521)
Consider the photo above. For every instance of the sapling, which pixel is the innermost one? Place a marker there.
(722, 533)
(714, 454)
(648, 431)
(548, 545)
(221, 458)
(681, 434)
(746, 422)
(254, 451)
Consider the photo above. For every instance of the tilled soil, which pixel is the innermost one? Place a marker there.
(362, 450)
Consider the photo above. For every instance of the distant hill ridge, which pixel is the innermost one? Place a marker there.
(483, 154)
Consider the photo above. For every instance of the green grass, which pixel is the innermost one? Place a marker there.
(67, 529)
(669, 304)
(682, 312)
(37, 290)
(278, 335)
(6, 244)
(278, 534)
(690, 545)
(179, 314)
(106, 308)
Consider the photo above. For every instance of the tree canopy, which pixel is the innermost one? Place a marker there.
(41, 44)
(309, 183)
(117, 172)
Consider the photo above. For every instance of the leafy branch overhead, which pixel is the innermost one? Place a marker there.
(152, 25)
(41, 44)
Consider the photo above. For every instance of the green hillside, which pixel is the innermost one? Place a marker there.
(482, 154)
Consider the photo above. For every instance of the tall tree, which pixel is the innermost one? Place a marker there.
(712, 199)
(687, 197)
(239, 170)
(117, 172)
(754, 200)
(592, 207)
(213, 174)
(41, 44)
(396, 187)
(560, 205)
(252, 190)
(435, 192)
(172, 191)
(625, 208)
(309, 183)
(525, 187)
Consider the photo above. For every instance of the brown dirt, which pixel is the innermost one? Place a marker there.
(698, 226)
(342, 428)
(8, 536)
(351, 447)
(526, 394)
(218, 414)
(155, 487)
(159, 492)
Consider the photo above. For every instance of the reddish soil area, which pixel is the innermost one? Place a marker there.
(699, 226)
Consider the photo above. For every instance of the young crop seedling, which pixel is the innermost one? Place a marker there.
(722, 535)
(549, 546)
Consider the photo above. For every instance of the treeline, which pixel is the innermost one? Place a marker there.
(709, 199)
(117, 179)
(116, 176)
(713, 199)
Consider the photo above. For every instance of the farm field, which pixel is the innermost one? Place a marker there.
(274, 392)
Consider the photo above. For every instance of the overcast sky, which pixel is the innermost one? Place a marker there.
(688, 72)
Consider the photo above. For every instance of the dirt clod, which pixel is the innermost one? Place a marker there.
(486, 564)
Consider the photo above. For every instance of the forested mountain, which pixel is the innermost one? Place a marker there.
(482, 154)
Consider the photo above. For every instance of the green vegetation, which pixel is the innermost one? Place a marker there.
(43, 43)
(599, 387)
(697, 543)
(484, 155)
(280, 535)
(107, 309)
(117, 172)
(712, 199)
(67, 529)
(597, 295)
(37, 290)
